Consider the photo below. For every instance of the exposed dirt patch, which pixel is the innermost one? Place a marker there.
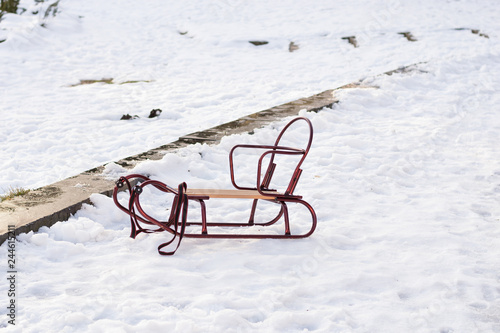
(154, 113)
(406, 69)
(408, 36)
(128, 117)
(352, 40)
(477, 32)
(292, 47)
(258, 42)
(103, 80)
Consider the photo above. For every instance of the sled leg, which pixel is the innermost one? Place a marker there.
(287, 220)
(252, 213)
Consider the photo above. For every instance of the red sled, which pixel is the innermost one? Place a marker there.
(178, 224)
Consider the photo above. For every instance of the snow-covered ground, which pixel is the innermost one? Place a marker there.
(404, 176)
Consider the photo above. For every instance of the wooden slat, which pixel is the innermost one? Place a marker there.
(234, 194)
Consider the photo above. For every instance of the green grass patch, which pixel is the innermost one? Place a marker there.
(13, 192)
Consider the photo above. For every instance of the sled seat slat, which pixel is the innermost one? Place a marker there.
(232, 194)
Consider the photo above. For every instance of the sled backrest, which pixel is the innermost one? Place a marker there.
(297, 171)
(270, 153)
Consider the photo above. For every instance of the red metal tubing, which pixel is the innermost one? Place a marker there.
(259, 167)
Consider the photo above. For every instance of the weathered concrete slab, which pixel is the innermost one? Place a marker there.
(57, 202)
(49, 204)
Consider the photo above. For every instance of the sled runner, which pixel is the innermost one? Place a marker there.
(178, 224)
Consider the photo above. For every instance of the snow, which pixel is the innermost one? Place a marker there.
(403, 173)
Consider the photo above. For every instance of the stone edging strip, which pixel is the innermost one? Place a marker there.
(57, 202)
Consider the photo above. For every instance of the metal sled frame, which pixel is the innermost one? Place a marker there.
(177, 221)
